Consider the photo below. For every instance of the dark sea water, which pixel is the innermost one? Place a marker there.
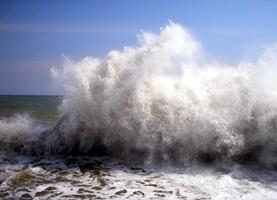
(42, 108)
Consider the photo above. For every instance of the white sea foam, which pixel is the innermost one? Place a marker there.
(166, 102)
(82, 177)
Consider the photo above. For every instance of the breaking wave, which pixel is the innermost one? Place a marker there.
(19, 132)
(163, 102)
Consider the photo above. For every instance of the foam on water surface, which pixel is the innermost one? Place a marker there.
(91, 178)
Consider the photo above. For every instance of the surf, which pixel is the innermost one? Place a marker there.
(161, 102)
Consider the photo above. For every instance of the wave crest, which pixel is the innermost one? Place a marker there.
(164, 102)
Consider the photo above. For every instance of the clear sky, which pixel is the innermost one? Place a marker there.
(35, 34)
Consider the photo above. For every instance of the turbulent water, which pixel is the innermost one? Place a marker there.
(82, 177)
(163, 103)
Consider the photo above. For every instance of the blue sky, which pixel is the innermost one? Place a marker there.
(35, 34)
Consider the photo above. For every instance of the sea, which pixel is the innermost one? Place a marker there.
(42, 108)
(159, 120)
(66, 176)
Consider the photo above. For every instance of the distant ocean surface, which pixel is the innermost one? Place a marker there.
(42, 108)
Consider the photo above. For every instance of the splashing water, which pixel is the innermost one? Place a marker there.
(164, 102)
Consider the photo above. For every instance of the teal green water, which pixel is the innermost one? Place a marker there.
(41, 108)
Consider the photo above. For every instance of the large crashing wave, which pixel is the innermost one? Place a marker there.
(165, 102)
